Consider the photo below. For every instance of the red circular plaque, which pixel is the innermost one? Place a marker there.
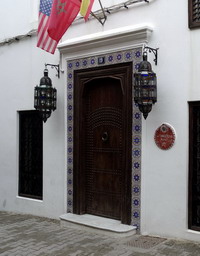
(164, 137)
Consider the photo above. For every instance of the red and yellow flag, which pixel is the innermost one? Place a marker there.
(86, 6)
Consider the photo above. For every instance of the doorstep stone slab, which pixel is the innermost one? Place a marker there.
(97, 225)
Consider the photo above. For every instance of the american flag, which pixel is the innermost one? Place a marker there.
(45, 42)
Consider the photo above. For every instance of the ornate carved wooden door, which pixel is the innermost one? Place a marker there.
(102, 142)
(103, 147)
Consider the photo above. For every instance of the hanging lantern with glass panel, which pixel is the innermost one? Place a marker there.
(45, 97)
(145, 87)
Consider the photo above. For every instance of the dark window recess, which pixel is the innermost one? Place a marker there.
(194, 166)
(194, 13)
(30, 154)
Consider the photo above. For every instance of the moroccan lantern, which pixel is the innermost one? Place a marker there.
(45, 97)
(145, 87)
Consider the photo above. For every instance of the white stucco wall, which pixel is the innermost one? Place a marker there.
(22, 65)
(164, 173)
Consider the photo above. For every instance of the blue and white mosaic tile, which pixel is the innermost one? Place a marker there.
(134, 56)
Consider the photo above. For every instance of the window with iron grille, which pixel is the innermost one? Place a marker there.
(194, 13)
(194, 166)
(30, 154)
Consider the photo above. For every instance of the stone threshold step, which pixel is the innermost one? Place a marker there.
(97, 225)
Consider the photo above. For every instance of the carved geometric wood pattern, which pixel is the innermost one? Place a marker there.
(103, 153)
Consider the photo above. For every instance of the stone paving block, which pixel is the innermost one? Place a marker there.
(4, 254)
(25, 235)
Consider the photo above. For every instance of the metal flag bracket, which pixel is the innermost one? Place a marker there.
(100, 14)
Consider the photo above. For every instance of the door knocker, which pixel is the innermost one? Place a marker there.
(104, 137)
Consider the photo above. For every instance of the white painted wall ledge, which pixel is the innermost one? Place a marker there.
(119, 38)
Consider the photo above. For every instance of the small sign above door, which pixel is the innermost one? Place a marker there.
(165, 136)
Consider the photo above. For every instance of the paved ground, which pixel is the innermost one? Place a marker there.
(22, 235)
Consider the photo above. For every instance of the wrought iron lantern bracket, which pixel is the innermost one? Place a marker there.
(57, 67)
(155, 52)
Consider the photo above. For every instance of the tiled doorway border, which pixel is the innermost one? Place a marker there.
(130, 55)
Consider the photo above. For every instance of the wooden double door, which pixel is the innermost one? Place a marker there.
(102, 141)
